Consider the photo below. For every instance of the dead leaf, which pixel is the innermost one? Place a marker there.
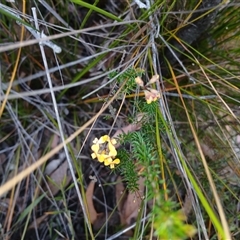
(38, 221)
(52, 166)
(56, 140)
(120, 193)
(132, 204)
(98, 220)
(59, 176)
(89, 201)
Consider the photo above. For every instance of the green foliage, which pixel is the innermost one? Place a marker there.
(171, 224)
(128, 170)
(129, 74)
(96, 9)
(27, 211)
(142, 151)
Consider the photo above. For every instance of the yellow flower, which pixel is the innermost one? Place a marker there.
(139, 81)
(112, 150)
(154, 79)
(151, 95)
(95, 149)
(104, 150)
(102, 157)
(111, 163)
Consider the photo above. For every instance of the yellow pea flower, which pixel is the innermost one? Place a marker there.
(112, 150)
(139, 81)
(151, 95)
(105, 152)
(111, 163)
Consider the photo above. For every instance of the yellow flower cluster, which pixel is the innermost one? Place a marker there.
(151, 95)
(104, 150)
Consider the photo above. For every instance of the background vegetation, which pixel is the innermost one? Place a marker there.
(119, 119)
